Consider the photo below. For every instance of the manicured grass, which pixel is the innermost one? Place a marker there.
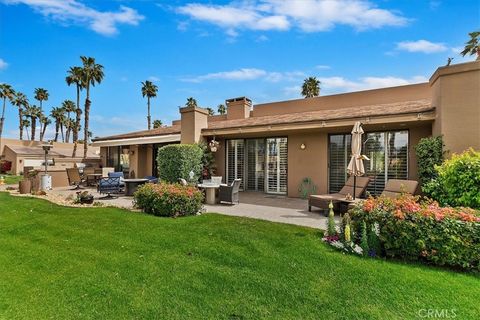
(99, 263)
(9, 179)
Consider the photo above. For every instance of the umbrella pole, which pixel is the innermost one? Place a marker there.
(354, 185)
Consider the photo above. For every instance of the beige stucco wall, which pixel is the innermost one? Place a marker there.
(456, 95)
(345, 100)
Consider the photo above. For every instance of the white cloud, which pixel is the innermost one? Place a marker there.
(3, 64)
(341, 84)
(248, 74)
(73, 11)
(423, 46)
(306, 15)
(322, 67)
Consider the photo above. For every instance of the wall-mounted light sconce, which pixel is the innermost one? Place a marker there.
(303, 146)
(324, 123)
(419, 116)
(132, 152)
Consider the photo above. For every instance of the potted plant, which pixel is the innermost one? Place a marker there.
(84, 197)
(26, 186)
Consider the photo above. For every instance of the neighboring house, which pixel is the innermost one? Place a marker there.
(273, 146)
(26, 153)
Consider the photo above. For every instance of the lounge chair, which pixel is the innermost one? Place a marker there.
(323, 200)
(74, 178)
(109, 185)
(229, 193)
(396, 187)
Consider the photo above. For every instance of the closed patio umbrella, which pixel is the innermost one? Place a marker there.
(355, 167)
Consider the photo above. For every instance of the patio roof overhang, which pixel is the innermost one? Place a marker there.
(168, 138)
(402, 119)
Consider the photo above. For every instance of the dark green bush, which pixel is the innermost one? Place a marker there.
(168, 199)
(458, 181)
(177, 160)
(424, 231)
(429, 152)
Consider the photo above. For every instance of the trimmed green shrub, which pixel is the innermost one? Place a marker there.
(429, 152)
(178, 160)
(424, 231)
(168, 200)
(458, 181)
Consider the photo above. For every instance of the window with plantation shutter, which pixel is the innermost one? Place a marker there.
(276, 172)
(388, 154)
(255, 172)
(235, 160)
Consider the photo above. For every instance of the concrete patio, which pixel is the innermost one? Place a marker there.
(255, 205)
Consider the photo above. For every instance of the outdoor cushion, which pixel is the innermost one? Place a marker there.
(117, 175)
(396, 187)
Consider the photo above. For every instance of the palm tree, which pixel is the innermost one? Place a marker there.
(74, 76)
(6, 92)
(92, 73)
(45, 121)
(221, 109)
(157, 124)
(57, 114)
(472, 46)
(68, 106)
(149, 90)
(20, 101)
(211, 112)
(191, 102)
(311, 87)
(33, 112)
(41, 95)
(26, 125)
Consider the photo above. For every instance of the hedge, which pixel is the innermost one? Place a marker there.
(169, 200)
(410, 229)
(178, 160)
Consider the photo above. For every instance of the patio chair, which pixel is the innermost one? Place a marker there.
(152, 179)
(229, 193)
(109, 185)
(323, 200)
(86, 172)
(395, 187)
(118, 175)
(74, 178)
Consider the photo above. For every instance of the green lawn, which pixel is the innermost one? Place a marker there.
(9, 179)
(106, 263)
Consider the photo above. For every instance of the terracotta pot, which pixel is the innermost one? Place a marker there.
(25, 186)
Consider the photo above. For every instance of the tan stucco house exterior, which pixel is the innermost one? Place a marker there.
(272, 147)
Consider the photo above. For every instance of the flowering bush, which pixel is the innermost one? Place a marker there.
(171, 200)
(413, 229)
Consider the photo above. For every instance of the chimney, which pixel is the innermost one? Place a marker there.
(194, 119)
(238, 108)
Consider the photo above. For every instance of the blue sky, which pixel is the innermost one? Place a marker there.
(217, 50)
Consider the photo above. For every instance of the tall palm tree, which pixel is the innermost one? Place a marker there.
(41, 95)
(149, 90)
(26, 125)
(311, 87)
(69, 107)
(20, 101)
(45, 121)
(221, 109)
(472, 46)
(75, 76)
(57, 114)
(191, 102)
(33, 112)
(157, 123)
(6, 92)
(211, 112)
(92, 73)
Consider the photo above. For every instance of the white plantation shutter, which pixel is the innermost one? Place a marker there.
(235, 160)
(276, 175)
(340, 150)
(255, 172)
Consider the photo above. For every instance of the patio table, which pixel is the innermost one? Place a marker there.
(131, 185)
(95, 177)
(210, 189)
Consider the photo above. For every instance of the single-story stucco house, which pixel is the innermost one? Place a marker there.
(273, 146)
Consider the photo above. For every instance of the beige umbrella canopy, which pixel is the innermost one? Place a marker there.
(355, 167)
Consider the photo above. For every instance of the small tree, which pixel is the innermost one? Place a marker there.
(221, 109)
(157, 123)
(311, 87)
(429, 152)
(472, 46)
(176, 161)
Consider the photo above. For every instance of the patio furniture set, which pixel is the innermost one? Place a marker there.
(226, 192)
(343, 200)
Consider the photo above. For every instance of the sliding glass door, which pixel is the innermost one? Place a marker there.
(388, 154)
(276, 159)
(260, 163)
